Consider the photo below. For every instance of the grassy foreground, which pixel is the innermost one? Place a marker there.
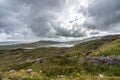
(61, 63)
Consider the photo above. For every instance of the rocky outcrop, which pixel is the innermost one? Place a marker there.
(38, 60)
(110, 60)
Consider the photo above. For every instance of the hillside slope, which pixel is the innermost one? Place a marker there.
(87, 60)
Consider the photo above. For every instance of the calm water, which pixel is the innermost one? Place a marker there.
(59, 45)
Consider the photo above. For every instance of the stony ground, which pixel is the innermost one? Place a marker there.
(92, 60)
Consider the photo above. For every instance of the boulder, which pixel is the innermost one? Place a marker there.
(29, 71)
(12, 71)
(100, 75)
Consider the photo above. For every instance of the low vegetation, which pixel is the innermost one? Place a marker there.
(61, 63)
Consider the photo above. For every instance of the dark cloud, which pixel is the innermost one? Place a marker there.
(42, 13)
(50, 18)
(104, 13)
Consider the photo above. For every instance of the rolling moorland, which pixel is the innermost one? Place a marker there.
(92, 60)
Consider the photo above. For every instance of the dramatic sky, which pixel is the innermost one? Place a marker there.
(38, 19)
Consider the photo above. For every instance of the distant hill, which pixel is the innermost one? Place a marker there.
(93, 59)
(41, 43)
(45, 43)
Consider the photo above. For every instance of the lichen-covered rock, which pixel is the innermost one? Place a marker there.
(38, 60)
(109, 60)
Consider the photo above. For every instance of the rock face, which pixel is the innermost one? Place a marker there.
(110, 60)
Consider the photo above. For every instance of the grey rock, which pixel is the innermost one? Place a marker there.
(60, 56)
(109, 60)
(12, 71)
(38, 60)
(29, 71)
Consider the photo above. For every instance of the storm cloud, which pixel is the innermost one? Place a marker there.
(28, 19)
(105, 14)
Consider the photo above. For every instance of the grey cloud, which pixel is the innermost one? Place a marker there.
(11, 15)
(42, 13)
(46, 24)
(41, 17)
(74, 32)
(104, 13)
(100, 14)
(8, 15)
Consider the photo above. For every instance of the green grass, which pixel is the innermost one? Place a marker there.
(111, 49)
(62, 61)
